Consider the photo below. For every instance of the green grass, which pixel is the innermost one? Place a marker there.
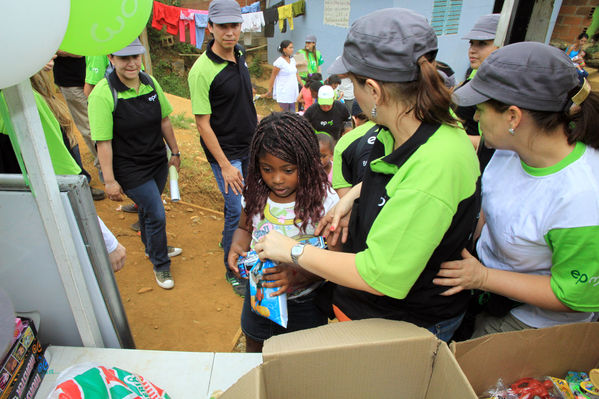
(180, 121)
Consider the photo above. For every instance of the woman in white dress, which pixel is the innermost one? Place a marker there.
(284, 80)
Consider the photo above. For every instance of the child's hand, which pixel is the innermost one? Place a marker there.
(234, 253)
(279, 276)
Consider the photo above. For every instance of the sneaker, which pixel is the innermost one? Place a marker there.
(97, 194)
(165, 279)
(135, 226)
(172, 251)
(131, 208)
(237, 284)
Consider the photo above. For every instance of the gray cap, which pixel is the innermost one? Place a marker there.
(135, 48)
(531, 75)
(386, 45)
(224, 12)
(310, 39)
(484, 29)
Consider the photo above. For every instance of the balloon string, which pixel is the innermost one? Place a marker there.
(5, 115)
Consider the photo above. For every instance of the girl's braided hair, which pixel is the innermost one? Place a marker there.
(291, 138)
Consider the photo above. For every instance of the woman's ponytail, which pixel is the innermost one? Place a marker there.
(584, 125)
(433, 99)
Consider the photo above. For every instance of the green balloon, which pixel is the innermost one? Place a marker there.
(101, 27)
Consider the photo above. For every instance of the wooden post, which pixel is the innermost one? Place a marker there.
(507, 16)
(147, 59)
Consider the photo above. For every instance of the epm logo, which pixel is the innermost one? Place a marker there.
(583, 278)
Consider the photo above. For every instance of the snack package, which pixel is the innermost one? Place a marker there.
(273, 308)
(90, 380)
(529, 388)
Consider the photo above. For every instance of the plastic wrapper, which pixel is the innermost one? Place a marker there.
(90, 380)
(271, 307)
(529, 388)
(173, 178)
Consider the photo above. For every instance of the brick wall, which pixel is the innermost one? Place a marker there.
(573, 18)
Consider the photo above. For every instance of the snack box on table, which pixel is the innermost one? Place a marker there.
(532, 353)
(372, 358)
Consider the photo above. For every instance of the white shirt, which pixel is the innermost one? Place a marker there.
(285, 89)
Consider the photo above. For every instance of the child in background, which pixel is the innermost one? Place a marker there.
(327, 146)
(305, 98)
(334, 81)
(286, 190)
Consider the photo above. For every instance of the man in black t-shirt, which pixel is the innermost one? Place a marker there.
(327, 115)
(69, 76)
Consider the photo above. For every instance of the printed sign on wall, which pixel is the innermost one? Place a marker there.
(336, 13)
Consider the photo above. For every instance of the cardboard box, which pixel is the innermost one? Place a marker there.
(529, 353)
(359, 359)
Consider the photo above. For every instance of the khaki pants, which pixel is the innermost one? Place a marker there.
(487, 324)
(77, 103)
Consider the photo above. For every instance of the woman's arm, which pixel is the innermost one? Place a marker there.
(337, 219)
(469, 273)
(112, 187)
(271, 81)
(338, 267)
(169, 137)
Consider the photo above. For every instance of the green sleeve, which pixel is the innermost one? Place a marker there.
(95, 68)
(575, 266)
(320, 59)
(398, 252)
(99, 110)
(165, 105)
(62, 161)
(338, 178)
(200, 79)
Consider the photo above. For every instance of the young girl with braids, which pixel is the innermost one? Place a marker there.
(288, 191)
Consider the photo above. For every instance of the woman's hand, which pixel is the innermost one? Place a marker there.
(117, 258)
(234, 253)
(336, 221)
(233, 179)
(175, 161)
(114, 191)
(280, 276)
(464, 274)
(275, 246)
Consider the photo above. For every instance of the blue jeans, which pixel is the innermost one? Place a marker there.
(232, 203)
(152, 219)
(444, 330)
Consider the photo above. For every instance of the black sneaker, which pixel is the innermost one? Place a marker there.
(131, 208)
(237, 284)
(97, 194)
(135, 226)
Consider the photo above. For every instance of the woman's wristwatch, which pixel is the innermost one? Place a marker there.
(296, 252)
(176, 154)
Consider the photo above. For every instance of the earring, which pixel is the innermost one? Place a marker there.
(373, 112)
(511, 131)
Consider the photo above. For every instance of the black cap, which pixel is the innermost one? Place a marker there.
(531, 75)
(386, 45)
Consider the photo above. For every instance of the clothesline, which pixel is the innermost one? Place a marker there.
(179, 19)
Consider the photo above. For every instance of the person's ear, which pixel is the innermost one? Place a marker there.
(514, 116)
(374, 89)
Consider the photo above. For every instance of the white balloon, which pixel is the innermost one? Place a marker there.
(30, 33)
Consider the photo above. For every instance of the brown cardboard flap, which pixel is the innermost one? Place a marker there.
(447, 377)
(250, 386)
(529, 353)
(358, 359)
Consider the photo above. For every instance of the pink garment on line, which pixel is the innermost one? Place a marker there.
(186, 17)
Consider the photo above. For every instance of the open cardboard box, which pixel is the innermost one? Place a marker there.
(529, 353)
(372, 358)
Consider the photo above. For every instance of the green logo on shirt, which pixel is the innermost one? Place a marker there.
(584, 278)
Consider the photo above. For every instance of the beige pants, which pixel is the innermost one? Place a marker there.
(486, 324)
(77, 103)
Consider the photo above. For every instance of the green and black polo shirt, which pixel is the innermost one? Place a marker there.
(351, 154)
(223, 90)
(418, 208)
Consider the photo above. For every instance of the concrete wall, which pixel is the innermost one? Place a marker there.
(574, 16)
(452, 49)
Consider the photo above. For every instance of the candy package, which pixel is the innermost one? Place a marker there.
(530, 388)
(271, 307)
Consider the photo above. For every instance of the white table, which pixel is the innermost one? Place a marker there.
(181, 374)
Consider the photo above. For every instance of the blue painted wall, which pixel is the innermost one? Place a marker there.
(452, 49)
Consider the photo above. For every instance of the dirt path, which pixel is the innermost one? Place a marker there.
(201, 313)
